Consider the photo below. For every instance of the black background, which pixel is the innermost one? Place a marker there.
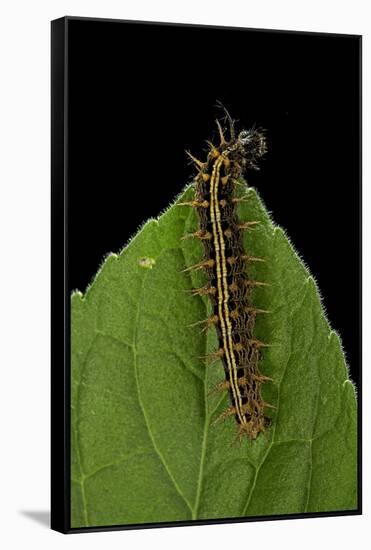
(139, 94)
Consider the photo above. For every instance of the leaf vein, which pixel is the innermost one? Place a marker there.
(141, 404)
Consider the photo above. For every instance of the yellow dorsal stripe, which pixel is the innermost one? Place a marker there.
(234, 379)
(222, 285)
(214, 213)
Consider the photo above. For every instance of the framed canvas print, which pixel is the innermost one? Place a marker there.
(205, 274)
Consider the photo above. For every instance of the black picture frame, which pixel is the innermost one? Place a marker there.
(64, 198)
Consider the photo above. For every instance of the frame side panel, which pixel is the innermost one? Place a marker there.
(60, 506)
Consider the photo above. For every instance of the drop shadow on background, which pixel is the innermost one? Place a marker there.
(42, 517)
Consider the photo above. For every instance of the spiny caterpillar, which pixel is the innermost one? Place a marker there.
(225, 261)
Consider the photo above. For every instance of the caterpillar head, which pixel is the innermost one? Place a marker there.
(252, 146)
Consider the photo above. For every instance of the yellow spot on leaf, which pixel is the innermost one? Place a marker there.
(146, 263)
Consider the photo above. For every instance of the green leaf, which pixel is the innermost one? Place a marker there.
(144, 446)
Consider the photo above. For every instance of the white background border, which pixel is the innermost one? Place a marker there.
(25, 260)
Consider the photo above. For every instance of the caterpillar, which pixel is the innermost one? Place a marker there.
(225, 262)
